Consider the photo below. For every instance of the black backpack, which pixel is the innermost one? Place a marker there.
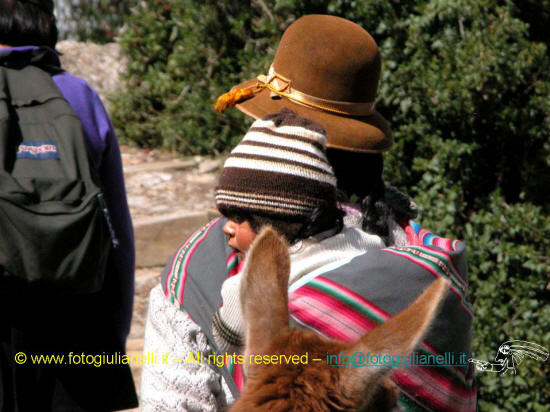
(55, 232)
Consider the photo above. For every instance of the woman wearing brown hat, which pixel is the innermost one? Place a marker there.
(326, 69)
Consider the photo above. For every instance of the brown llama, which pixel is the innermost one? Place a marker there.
(315, 386)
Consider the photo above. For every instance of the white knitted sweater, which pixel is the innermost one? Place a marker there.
(188, 386)
(178, 385)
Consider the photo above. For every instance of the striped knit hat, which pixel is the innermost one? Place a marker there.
(279, 169)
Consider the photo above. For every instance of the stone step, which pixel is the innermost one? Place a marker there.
(157, 238)
(175, 164)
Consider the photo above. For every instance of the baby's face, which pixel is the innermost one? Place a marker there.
(239, 235)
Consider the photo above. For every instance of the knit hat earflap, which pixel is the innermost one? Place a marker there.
(279, 169)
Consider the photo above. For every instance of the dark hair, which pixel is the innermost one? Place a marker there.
(376, 212)
(25, 24)
(360, 175)
(325, 217)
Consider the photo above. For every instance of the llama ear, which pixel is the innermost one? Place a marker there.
(398, 336)
(264, 290)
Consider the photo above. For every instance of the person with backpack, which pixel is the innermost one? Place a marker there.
(66, 239)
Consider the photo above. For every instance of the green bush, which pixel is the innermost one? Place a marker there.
(183, 54)
(466, 87)
(509, 265)
(469, 104)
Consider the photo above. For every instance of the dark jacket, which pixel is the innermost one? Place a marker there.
(93, 326)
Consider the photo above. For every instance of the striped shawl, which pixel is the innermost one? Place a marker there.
(346, 302)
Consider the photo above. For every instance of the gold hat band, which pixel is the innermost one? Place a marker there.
(281, 86)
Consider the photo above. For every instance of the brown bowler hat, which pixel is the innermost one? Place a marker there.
(326, 69)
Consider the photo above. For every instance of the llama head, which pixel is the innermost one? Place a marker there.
(282, 373)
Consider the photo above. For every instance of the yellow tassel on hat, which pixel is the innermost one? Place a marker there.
(230, 99)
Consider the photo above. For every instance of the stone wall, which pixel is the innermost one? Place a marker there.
(100, 65)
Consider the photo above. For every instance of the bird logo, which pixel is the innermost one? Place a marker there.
(510, 355)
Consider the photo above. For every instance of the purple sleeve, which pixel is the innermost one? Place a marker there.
(105, 155)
